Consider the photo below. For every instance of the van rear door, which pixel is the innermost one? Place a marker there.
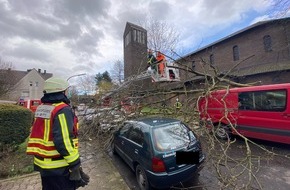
(265, 114)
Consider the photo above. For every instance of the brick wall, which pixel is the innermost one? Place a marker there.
(250, 43)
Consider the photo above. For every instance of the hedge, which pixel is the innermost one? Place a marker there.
(15, 124)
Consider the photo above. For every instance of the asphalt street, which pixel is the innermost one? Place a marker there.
(272, 173)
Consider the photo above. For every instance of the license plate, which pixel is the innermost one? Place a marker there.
(183, 157)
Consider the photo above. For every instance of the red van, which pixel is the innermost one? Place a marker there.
(261, 112)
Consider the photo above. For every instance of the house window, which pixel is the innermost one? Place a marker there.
(211, 59)
(138, 36)
(267, 43)
(193, 65)
(134, 35)
(236, 53)
(25, 94)
(36, 84)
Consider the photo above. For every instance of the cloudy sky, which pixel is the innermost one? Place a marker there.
(69, 37)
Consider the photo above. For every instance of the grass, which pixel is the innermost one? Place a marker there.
(15, 162)
(150, 110)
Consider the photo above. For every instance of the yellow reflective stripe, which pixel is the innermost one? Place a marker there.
(72, 157)
(43, 152)
(49, 164)
(46, 129)
(65, 133)
(73, 153)
(40, 141)
(57, 104)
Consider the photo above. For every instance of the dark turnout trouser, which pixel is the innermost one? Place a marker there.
(57, 183)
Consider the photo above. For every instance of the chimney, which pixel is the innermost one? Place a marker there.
(39, 70)
(44, 72)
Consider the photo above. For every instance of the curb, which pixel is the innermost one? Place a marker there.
(19, 177)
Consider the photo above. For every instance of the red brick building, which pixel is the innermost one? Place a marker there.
(260, 52)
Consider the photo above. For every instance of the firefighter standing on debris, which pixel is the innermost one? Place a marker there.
(177, 105)
(54, 140)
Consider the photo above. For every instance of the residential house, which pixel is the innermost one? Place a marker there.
(24, 84)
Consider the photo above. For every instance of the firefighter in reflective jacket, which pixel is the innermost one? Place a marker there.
(177, 105)
(151, 60)
(54, 140)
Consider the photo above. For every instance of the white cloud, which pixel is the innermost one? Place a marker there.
(71, 37)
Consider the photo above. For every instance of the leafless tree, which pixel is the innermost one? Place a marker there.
(161, 36)
(6, 80)
(117, 72)
(229, 169)
(86, 84)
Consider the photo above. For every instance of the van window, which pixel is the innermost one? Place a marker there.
(271, 100)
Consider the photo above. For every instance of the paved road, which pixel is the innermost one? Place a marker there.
(272, 173)
(98, 165)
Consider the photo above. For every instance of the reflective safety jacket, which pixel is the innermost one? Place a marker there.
(53, 140)
(178, 105)
(152, 61)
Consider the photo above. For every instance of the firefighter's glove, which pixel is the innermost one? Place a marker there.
(75, 175)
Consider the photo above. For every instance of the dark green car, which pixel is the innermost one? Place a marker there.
(161, 151)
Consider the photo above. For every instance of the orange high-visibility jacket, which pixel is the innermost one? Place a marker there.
(161, 58)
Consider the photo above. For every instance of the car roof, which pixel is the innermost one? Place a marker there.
(155, 121)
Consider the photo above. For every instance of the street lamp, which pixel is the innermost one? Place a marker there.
(75, 76)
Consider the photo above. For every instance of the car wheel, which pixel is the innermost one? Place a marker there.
(142, 178)
(223, 132)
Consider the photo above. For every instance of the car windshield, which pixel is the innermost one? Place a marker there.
(171, 137)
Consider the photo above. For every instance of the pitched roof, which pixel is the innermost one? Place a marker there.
(262, 68)
(135, 26)
(18, 75)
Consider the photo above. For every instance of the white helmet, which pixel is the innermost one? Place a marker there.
(55, 84)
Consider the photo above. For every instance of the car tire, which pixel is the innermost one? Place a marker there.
(223, 132)
(142, 178)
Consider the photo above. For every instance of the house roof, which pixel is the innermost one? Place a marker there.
(135, 26)
(18, 75)
(262, 68)
(239, 32)
(131, 25)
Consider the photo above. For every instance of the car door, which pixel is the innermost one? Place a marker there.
(135, 144)
(121, 142)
